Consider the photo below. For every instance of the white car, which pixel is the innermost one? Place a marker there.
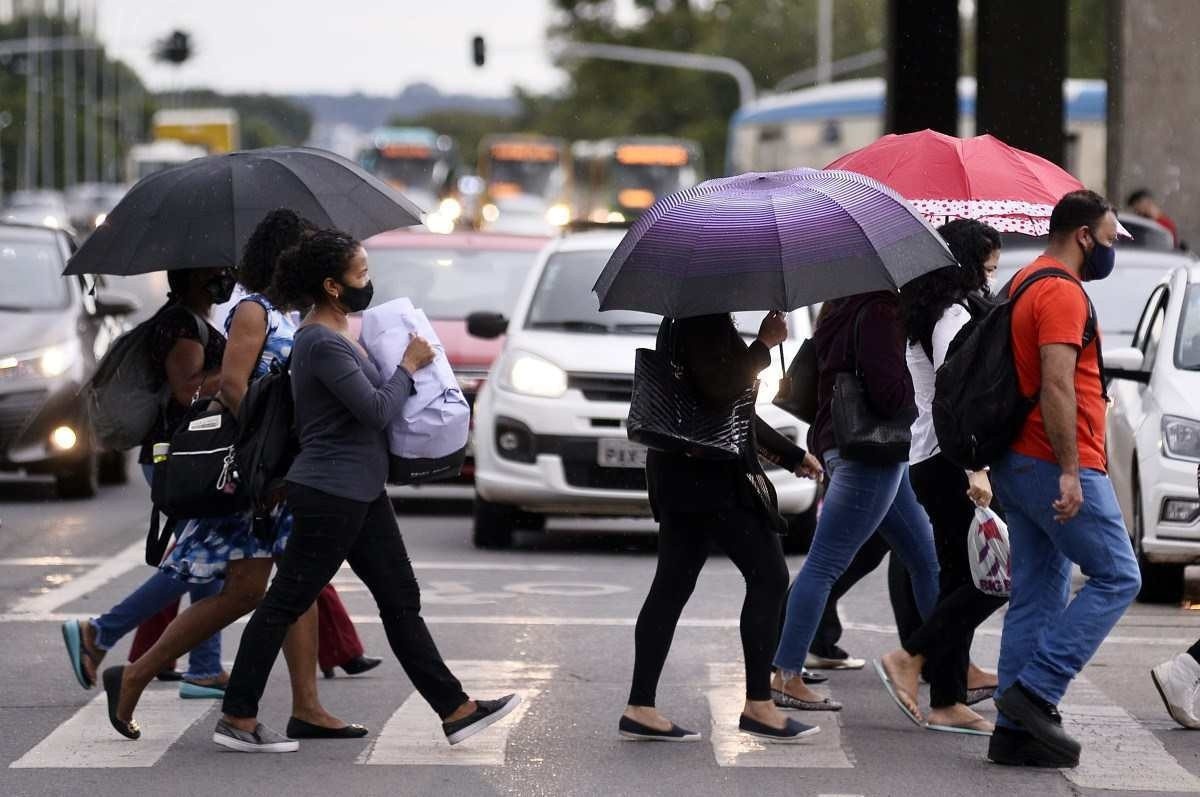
(1154, 433)
(550, 434)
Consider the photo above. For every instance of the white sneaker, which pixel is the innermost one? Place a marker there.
(1178, 683)
(814, 662)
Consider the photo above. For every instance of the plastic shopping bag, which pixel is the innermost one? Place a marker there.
(987, 547)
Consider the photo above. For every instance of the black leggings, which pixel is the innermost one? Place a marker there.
(945, 638)
(683, 543)
(327, 531)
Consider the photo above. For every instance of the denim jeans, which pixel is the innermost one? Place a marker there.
(861, 498)
(1048, 638)
(158, 591)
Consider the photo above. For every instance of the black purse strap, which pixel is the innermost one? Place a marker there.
(158, 537)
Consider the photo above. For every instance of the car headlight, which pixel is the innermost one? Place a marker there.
(1181, 438)
(100, 219)
(490, 212)
(533, 376)
(440, 223)
(48, 363)
(558, 215)
(451, 208)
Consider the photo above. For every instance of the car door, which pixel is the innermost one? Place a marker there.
(1128, 413)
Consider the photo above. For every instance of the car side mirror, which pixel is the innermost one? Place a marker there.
(115, 303)
(488, 326)
(1126, 363)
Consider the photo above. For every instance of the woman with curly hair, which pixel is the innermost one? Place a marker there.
(337, 496)
(260, 332)
(936, 308)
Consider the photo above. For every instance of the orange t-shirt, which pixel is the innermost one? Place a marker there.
(1055, 311)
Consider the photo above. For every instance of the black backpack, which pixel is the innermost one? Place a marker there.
(978, 407)
(267, 442)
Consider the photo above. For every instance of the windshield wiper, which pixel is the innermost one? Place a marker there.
(572, 326)
(648, 329)
(13, 308)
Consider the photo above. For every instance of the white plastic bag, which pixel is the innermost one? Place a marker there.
(428, 440)
(987, 547)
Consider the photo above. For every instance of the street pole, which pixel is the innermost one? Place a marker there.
(668, 58)
(824, 41)
(70, 106)
(89, 103)
(46, 89)
(29, 145)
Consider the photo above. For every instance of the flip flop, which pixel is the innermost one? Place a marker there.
(979, 727)
(191, 691)
(73, 639)
(891, 690)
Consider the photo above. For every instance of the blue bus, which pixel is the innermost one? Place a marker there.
(815, 126)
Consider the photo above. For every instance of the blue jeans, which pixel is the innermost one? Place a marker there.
(861, 498)
(1048, 638)
(158, 592)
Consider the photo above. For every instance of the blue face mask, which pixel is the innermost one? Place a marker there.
(1100, 262)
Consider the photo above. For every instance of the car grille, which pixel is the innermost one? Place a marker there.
(603, 387)
(16, 411)
(580, 468)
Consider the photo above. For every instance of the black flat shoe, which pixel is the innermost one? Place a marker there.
(1017, 748)
(356, 666)
(1040, 718)
(486, 713)
(299, 729)
(170, 676)
(813, 678)
(792, 731)
(637, 732)
(112, 689)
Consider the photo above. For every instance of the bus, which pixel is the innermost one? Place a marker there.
(416, 160)
(815, 126)
(617, 179)
(526, 184)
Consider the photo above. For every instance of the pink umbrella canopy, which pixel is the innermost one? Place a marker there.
(982, 178)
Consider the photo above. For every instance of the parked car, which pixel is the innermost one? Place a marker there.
(88, 204)
(550, 434)
(1118, 299)
(53, 329)
(448, 276)
(1154, 434)
(43, 207)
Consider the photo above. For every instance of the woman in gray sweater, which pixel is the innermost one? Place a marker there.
(336, 494)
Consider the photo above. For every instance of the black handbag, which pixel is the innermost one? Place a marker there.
(798, 389)
(199, 476)
(862, 434)
(666, 414)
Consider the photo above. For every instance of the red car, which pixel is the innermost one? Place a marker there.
(450, 277)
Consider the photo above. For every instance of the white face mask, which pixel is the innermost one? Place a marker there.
(992, 282)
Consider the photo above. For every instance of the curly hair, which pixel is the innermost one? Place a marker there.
(277, 231)
(304, 267)
(927, 297)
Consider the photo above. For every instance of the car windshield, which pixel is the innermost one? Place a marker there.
(417, 172)
(1118, 300)
(450, 283)
(537, 178)
(31, 267)
(564, 301)
(1187, 346)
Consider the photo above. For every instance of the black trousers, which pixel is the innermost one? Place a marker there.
(904, 605)
(327, 531)
(684, 539)
(946, 636)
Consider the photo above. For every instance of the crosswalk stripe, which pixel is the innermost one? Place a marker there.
(114, 567)
(413, 735)
(732, 748)
(88, 741)
(1119, 753)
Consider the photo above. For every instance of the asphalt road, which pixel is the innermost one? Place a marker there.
(552, 618)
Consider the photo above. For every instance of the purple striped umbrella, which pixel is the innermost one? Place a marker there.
(770, 241)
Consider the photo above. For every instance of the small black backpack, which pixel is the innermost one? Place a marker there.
(267, 443)
(978, 407)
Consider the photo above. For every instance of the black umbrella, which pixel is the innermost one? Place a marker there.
(200, 214)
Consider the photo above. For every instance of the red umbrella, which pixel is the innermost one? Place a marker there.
(981, 178)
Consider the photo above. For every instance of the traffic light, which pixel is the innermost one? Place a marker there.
(175, 49)
(478, 51)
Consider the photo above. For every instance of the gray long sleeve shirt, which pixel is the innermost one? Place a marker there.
(343, 407)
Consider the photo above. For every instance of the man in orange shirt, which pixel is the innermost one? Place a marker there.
(1053, 484)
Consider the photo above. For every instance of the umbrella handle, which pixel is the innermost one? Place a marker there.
(785, 384)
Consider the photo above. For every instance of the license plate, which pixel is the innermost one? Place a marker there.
(621, 454)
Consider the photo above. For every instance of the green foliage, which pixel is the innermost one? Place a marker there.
(1088, 47)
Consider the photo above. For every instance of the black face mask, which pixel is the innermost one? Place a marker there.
(355, 300)
(220, 287)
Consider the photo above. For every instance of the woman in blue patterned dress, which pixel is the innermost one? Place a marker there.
(259, 334)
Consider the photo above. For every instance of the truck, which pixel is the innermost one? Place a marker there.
(214, 129)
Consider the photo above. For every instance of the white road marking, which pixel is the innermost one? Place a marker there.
(88, 741)
(1119, 753)
(53, 561)
(569, 589)
(414, 734)
(569, 621)
(76, 588)
(498, 567)
(733, 748)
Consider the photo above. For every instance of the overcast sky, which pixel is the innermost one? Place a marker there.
(374, 46)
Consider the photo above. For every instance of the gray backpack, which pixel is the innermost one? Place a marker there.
(126, 396)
